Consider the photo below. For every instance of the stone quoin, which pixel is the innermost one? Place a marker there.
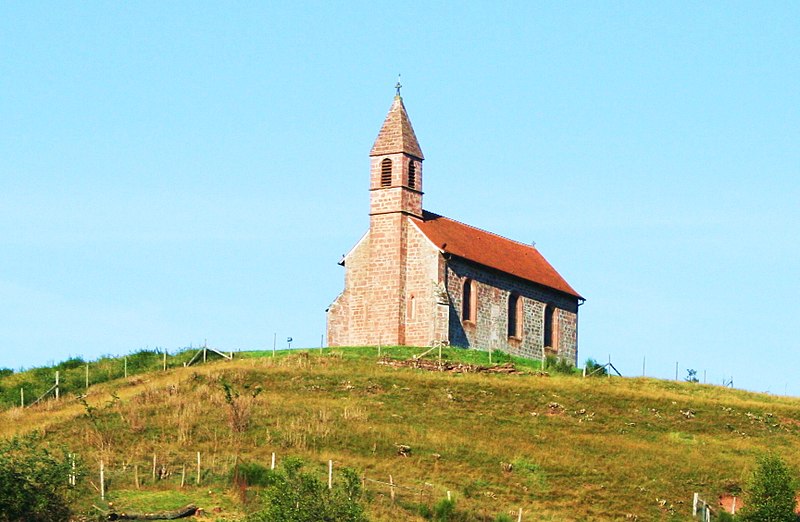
(417, 278)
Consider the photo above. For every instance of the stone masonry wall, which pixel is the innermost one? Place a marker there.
(423, 316)
(387, 300)
(490, 328)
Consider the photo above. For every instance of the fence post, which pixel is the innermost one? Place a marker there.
(136, 475)
(126, 367)
(519, 517)
(391, 488)
(102, 481)
(87, 376)
(154, 467)
(694, 504)
(198, 468)
(330, 474)
(22, 397)
(273, 461)
(57, 385)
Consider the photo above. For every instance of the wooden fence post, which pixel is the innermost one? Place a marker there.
(183, 476)
(198, 468)
(102, 481)
(330, 474)
(154, 467)
(22, 397)
(273, 461)
(87, 376)
(136, 475)
(391, 488)
(57, 375)
(694, 504)
(519, 517)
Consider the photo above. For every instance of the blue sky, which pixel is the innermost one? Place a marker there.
(172, 172)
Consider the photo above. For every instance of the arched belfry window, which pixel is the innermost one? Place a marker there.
(514, 315)
(412, 174)
(386, 173)
(550, 327)
(469, 301)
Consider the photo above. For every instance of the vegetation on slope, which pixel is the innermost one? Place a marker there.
(558, 447)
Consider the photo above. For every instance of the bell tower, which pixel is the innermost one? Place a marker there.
(396, 165)
(395, 194)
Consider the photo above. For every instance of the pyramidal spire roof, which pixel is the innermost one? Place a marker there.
(397, 135)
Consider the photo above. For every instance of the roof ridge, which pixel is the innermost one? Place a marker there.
(480, 229)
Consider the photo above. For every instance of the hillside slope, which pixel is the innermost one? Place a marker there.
(579, 449)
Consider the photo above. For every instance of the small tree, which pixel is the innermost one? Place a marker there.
(770, 496)
(33, 482)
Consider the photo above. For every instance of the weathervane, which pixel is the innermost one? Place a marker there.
(398, 86)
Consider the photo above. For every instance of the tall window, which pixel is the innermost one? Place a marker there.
(469, 300)
(386, 172)
(549, 326)
(514, 315)
(412, 174)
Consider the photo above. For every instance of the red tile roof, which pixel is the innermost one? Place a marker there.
(397, 134)
(491, 250)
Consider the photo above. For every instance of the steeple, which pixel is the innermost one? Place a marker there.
(397, 134)
(396, 165)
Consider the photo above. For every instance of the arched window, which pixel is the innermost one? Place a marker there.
(550, 326)
(469, 300)
(386, 173)
(412, 174)
(515, 315)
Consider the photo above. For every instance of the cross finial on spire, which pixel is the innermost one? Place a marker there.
(398, 86)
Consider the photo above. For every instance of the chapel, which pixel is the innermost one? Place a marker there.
(417, 278)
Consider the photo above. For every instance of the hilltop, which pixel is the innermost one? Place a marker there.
(560, 447)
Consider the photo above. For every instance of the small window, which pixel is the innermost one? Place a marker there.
(469, 300)
(412, 174)
(514, 315)
(549, 326)
(386, 173)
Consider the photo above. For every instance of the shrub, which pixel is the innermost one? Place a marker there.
(594, 368)
(297, 496)
(253, 474)
(556, 365)
(770, 495)
(444, 510)
(33, 482)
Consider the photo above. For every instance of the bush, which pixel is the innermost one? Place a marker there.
(556, 365)
(444, 510)
(594, 368)
(770, 495)
(297, 496)
(33, 482)
(254, 474)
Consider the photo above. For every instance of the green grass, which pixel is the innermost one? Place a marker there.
(579, 449)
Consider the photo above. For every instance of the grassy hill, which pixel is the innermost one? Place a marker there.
(559, 447)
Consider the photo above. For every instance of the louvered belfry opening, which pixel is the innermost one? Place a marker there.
(386, 173)
(412, 174)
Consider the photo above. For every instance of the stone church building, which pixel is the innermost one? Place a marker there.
(417, 278)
